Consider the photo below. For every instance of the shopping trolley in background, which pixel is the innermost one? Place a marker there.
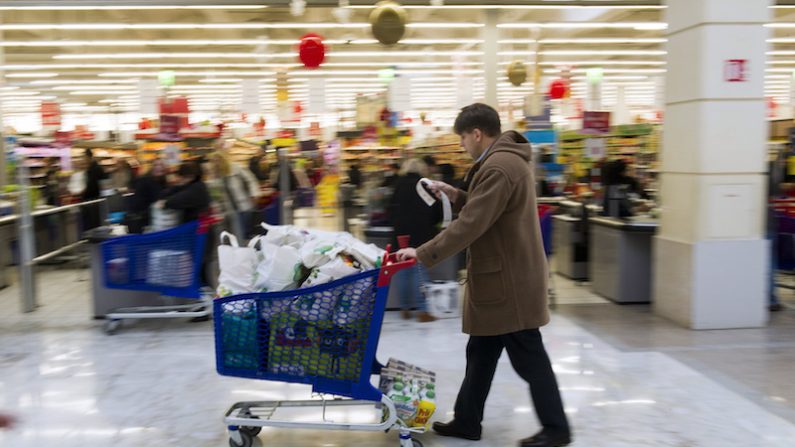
(325, 336)
(168, 262)
(545, 213)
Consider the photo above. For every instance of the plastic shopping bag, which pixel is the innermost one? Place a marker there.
(282, 235)
(279, 270)
(237, 265)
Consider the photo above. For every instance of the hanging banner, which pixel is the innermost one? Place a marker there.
(50, 114)
(464, 90)
(400, 94)
(316, 103)
(249, 102)
(148, 96)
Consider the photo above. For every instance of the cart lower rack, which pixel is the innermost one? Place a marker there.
(324, 336)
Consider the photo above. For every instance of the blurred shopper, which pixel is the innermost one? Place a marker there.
(122, 176)
(391, 176)
(618, 186)
(255, 164)
(412, 217)
(189, 195)
(433, 169)
(94, 175)
(146, 189)
(355, 175)
(447, 172)
(52, 185)
(240, 192)
(506, 297)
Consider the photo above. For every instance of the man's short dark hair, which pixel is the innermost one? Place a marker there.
(478, 116)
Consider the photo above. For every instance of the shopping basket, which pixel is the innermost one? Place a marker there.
(325, 336)
(168, 262)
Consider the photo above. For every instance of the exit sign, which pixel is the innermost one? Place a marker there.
(735, 70)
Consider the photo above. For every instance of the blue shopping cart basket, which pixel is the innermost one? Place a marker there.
(168, 262)
(325, 336)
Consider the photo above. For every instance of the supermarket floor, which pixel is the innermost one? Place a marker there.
(628, 379)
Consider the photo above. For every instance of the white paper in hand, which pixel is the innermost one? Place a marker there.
(447, 210)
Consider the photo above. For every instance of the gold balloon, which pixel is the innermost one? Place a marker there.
(517, 73)
(388, 22)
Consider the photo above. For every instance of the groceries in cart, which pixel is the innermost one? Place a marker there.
(411, 389)
(288, 257)
(309, 334)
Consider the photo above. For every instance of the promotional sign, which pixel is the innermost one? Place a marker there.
(50, 114)
(595, 148)
(735, 70)
(169, 124)
(595, 122)
(249, 102)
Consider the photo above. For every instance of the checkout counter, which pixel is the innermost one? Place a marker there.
(621, 258)
(570, 232)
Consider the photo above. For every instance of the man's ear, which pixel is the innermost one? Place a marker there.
(478, 134)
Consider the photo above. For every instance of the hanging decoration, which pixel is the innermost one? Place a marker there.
(558, 89)
(311, 50)
(388, 22)
(517, 73)
(297, 7)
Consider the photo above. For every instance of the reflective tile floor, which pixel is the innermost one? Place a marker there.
(628, 379)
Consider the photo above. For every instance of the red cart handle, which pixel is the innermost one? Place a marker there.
(390, 265)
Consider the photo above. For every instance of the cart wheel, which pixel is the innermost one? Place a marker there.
(246, 439)
(416, 443)
(111, 326)
(252, 430)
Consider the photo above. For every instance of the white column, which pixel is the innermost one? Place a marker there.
(711, 258)
(490, 50)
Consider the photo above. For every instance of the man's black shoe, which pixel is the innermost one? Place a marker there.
(544, 439)
(452, 430)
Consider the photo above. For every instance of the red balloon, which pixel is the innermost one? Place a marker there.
(558, 89)
(311, 50)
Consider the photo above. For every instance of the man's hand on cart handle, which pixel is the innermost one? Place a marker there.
(406, 254)
(439, 188)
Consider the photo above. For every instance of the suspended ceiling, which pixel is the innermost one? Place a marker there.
(90, 57)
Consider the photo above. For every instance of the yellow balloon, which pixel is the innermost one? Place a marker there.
(517, 73)
(388, 22)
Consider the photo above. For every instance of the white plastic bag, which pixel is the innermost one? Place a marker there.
(277, 269)
(282, 235)
(237, 265)
(318, 252)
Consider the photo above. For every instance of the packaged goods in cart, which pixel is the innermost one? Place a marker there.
(412, 390)
(237, 265)
(173, 268)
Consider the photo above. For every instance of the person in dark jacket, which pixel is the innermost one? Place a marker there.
(51, 184)
(617, 186)
(255, 164)
(146, 191)
(355, 175)
(190, 196)
(94, 175)
(391, 176)
(412, 217)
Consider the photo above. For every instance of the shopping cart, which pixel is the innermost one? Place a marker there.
(325, 336)
(168, 262)
(545, 213)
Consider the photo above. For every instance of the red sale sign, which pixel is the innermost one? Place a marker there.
(735, 70)
(50, 114)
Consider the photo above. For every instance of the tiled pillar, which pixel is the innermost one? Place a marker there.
(711, 256)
